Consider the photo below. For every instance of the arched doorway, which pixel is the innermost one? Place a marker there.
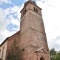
(42, 58)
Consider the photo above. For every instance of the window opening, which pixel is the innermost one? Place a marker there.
(36, 10)
(24, 11)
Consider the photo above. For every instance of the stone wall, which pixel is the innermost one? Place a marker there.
(11, 39)
(3, 50)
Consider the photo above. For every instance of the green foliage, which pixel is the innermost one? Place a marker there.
(57, 56)
(54, 54)
(52, 51)
(15, 52)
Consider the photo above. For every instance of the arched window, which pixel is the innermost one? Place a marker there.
(42, 58)
(24, 11)
(36, 10)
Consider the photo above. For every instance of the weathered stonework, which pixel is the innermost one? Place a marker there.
(31, 38)
(32, 34)
(11, 40)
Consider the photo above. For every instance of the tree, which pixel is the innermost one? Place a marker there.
(57, 56)
(52, 51)
(54, 54)
(15, 52)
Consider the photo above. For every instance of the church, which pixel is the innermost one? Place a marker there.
(31, 38)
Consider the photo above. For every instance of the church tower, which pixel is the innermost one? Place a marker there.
(33, 42)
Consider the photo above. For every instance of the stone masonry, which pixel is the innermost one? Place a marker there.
(33, 40)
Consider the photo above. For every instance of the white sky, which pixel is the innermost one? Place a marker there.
(51, 18)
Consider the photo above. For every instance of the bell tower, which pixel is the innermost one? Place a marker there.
(33, 42)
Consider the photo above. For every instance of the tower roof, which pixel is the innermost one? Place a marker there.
(32, 1)
(29, 1)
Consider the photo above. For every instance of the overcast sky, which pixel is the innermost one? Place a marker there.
(10, 19)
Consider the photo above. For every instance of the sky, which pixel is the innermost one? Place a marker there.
(10, 19)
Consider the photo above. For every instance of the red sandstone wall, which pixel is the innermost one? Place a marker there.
(11, 40)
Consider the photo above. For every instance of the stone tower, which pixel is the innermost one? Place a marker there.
(33, 42)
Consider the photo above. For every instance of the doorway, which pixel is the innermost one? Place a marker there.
(42, 58)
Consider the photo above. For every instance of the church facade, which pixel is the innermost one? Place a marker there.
(31, 38)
